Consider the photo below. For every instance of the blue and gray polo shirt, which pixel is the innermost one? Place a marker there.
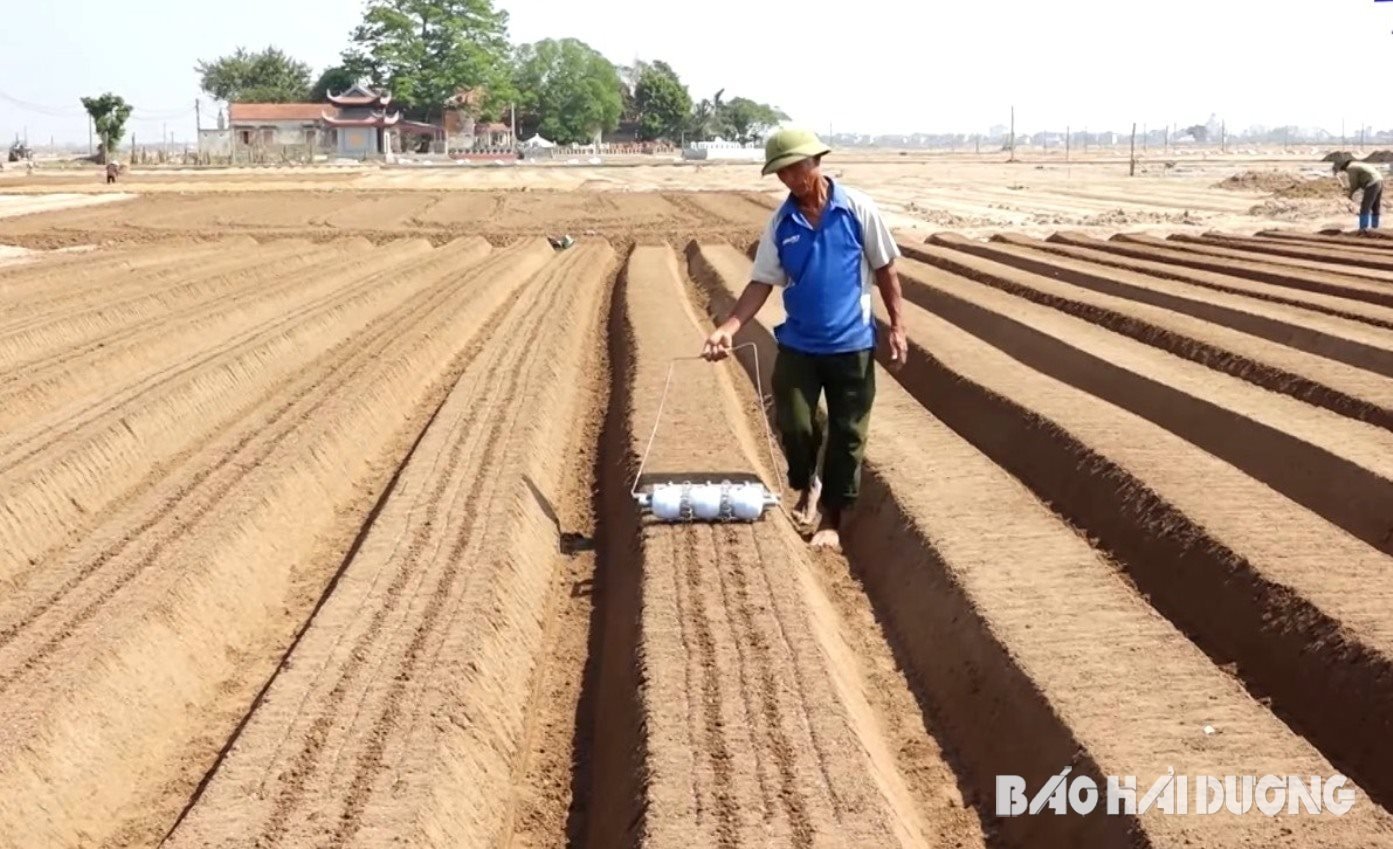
(826, 272)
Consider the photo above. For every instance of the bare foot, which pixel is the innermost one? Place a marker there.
(805, 511)
(827, 534)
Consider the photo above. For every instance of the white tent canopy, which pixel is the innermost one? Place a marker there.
(538, 141)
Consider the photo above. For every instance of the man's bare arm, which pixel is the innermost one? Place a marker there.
(887, 280)
(749, 304)
(718, 344)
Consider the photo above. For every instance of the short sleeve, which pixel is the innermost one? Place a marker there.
(879, 242)
(767, 268)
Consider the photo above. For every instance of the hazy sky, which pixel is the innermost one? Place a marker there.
(873, 66)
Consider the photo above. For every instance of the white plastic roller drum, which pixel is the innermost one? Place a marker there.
(747, 501)
(666, 502)
(705, 499)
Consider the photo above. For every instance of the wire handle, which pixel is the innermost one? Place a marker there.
(764, 417)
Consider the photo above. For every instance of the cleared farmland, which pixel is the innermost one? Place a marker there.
(316, 530)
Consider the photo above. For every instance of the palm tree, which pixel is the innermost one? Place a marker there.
(706, 117)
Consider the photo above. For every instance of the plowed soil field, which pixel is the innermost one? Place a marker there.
(316, 530)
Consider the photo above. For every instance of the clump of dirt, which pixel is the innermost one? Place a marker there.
(942, 218)
(1258, 181)
(1118, 217)
(1320, 187)
(1282, 184)
(1337, 156)
(1298, 209)
(1380, 156)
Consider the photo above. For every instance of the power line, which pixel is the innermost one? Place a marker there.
(77, 111)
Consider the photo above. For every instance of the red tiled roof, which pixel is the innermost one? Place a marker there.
(247, 113)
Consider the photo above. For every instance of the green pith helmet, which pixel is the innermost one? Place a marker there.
(789, 146)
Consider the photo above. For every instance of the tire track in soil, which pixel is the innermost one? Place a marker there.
(1202, 282)
(425, 319)
(483, 457)
(962, 609)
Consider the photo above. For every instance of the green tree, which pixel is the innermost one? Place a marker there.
(267, 76)
(1199, 132)
(567, 90)
(337, 79)
(662, 103)
(423, 51)
(109, 115)
(705, 115)
(746, 121)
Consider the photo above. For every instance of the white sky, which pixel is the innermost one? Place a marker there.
(878, 66)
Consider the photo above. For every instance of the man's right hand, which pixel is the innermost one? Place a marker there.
(718, 344)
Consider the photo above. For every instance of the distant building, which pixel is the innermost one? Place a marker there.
(357, 123)
(463, 129)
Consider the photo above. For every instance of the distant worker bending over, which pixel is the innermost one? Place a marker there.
(1364, 176)
(824, 246)
(112, 169)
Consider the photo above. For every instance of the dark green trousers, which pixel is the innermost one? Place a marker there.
(848, 380)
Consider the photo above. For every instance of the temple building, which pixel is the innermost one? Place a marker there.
(361, 121)
(358, 123)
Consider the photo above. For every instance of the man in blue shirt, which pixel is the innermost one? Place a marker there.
(825, 247)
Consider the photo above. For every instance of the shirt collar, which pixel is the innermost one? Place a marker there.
(836, 197)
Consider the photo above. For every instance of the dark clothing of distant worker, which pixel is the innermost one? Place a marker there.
(1368, 178)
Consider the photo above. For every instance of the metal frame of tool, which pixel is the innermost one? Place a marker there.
(707, 501)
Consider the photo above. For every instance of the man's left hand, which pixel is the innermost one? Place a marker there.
(899, 348)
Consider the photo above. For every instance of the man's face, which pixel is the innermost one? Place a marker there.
(801, 177)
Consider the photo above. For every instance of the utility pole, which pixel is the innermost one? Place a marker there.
(513, 117)
(198, 114)
(1143, 137)
(89, 136)
(1133, 171)
(1224, 136)
(1013, 134)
